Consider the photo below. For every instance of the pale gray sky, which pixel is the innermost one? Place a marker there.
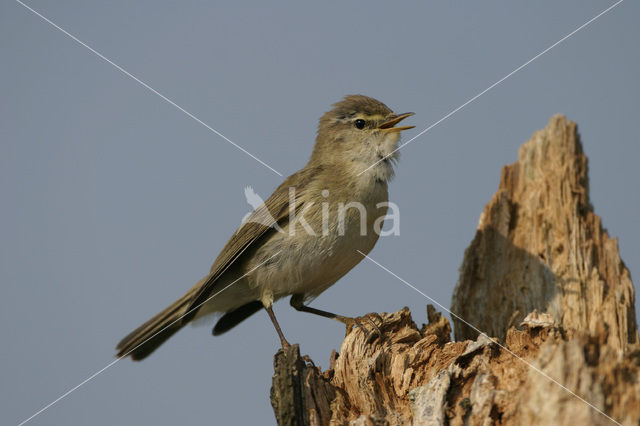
(114, 202)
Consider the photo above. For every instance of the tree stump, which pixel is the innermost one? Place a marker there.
(542, 278)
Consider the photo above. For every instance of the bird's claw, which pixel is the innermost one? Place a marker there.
(376, 316)
(358, 321)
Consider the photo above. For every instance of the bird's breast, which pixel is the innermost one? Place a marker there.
(320, 244)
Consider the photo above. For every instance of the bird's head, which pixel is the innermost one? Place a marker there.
(358, 132)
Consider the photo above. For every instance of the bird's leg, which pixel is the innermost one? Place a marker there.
(285, 344)
(297, 303)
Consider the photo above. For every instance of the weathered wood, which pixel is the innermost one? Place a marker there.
(543, 277)
(300, 393)
(539, 245)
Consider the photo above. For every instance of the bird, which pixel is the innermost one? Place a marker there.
(313, 229)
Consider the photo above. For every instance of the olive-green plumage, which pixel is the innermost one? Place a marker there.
(290, 246)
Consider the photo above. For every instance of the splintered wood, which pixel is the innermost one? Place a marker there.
(542, 278)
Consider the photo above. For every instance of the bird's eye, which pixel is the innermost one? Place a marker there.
(359, 123)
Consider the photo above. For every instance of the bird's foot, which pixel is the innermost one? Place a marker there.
(360, 322)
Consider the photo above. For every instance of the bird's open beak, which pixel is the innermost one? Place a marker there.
(387, 126)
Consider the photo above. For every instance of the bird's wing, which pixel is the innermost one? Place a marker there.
(263, 220)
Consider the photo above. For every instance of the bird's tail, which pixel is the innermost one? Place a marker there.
(145, 339)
